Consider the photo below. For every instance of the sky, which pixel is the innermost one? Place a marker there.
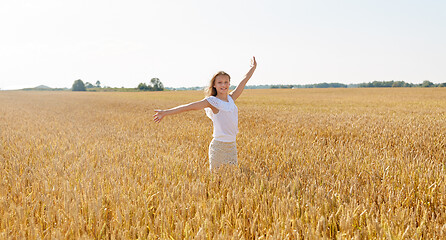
(122, 43)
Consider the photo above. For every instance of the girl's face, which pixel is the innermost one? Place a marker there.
(222, 84)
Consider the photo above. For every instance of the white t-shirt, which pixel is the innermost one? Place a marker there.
(225, 121)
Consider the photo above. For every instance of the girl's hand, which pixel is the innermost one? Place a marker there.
(253, 62)
(159, 115)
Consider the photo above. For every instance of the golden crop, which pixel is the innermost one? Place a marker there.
(313, 163)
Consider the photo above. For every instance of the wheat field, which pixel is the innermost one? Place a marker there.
(313, 164)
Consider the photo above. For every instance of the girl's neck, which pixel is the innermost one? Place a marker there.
(223, 97)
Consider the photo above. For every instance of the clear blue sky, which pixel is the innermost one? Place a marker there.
(123, 43)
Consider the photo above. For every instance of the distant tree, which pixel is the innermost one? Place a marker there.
(143, 87)
(363, 85)
(408, 84)
(338, 85)
(78, 85)
(321, 85)
(442, 85)
(387, 83)
(89, 85)
(98, 84)
(157, 84)
(281, 86)
(398, 84)
(427, 83)
(381, 84)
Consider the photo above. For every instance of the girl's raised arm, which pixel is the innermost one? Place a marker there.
(238, 91)
(160, 114)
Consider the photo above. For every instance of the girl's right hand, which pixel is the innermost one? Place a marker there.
(159, 114)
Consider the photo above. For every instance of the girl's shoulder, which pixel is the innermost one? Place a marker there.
(213, 101)
(220, 104)
(214, 98)
(210, 97)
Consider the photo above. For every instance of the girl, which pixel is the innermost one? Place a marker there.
(221, 109)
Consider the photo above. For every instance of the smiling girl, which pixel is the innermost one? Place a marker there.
(221, 109)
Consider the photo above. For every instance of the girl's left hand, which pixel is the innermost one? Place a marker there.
(253, 62)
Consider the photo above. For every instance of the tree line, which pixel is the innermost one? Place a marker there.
(425, 83)
(154, 85)
(374, 84)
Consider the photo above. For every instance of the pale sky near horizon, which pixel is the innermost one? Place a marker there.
(183, 43)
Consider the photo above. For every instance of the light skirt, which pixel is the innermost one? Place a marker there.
(222, 153)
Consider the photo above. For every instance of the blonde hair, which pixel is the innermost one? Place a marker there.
(210, 90)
